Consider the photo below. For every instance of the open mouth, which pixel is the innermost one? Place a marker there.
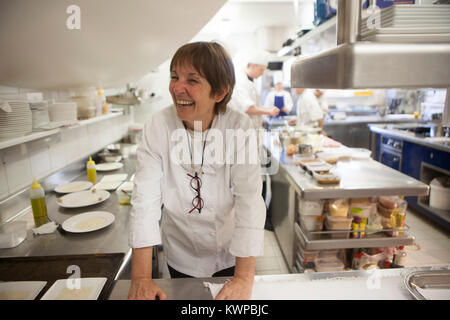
(184, 103)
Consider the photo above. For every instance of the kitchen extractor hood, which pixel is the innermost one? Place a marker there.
(59, 44)
(357, 64)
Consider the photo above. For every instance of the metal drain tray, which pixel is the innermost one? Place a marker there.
(433, 279)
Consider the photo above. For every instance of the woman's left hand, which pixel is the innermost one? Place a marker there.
(236, 289)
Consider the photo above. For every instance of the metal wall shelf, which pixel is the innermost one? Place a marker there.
(44, 134)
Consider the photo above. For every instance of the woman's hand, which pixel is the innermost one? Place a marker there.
(236, 289)
(145, 289)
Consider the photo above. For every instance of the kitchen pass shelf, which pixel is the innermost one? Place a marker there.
(43, 134)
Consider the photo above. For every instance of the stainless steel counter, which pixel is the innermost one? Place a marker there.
(439, 143)
(193, 289)
(112, 239)
(359, 178)
(389, 118)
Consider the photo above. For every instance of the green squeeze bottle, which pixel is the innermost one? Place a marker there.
(37, 197)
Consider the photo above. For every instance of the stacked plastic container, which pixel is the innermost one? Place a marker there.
(310, 214)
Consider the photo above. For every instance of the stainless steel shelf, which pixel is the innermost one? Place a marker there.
(327, 244)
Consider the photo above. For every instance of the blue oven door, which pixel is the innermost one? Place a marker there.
(391, 159)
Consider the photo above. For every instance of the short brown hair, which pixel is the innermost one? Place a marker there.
(213, 62)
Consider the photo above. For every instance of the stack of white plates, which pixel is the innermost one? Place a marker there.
(40, 114)
(409, 23)
(63, 111)
(16, 123)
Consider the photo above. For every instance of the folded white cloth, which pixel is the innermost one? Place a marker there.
(214, 288)
(47, 228)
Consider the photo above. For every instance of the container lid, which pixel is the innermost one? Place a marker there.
(90, 161)
(441, 182)
(35, 185)
(357, 210)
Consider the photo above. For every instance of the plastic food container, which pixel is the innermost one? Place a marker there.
(362, 212)
(123, 196)
(312, 223)
(328, 254)
(388, 202)
(322, 265)
(338, 208)
(324, 177)
(384, 212)
(12, 234)
(310, 208)
(440, 193)
(338, 223)
(308, 255)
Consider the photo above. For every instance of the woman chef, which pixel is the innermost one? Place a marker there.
(213, 212)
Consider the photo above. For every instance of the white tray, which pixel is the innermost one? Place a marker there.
(62, 289)
(21, 290)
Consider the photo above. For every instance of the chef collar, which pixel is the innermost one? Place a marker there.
(249, 78)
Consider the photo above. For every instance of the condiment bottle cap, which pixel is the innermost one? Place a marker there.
(35, 185)
(90, 161)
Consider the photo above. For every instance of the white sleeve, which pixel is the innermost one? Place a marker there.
(288, 101)
(146, 199)
(269, 99)
(250, 211)
(314, 109)
(241, 99)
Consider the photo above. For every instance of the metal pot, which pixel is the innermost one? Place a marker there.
(305, 149)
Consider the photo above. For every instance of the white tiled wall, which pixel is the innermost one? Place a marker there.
(38, 159)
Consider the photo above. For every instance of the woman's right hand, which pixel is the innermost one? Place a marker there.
(145, 289)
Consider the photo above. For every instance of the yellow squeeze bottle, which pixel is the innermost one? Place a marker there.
(38, 206)
(91, 171)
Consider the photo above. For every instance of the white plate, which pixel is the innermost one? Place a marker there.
(21, 290)
(90, 289)
(88, 221)
(83, 198)
(108, 185)
(109, 166)
(74, 186)
(114, 177)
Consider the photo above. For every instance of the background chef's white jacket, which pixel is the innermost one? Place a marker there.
(231, 223)
(308, 108)
(270, 99)
(245, 95)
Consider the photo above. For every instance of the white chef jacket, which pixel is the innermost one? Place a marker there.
(231, 223)
(270, 99)
(245, 95)
(308, 108)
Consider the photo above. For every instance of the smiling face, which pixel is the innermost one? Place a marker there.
(191, 95)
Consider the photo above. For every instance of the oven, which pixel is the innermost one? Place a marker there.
(391, 152)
